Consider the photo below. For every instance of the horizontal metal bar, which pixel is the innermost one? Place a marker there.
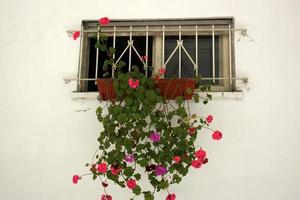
(203, 78)
(157, 30)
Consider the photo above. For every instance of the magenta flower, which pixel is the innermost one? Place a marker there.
(129, 158)
(160, 170)
(155, 137)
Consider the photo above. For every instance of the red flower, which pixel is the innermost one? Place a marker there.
(104, 21)
(217, 135)
(76, 34)
(115, 170)
(205, 160)
(106, 197)
(75, 179)
(209, 118)
(200, 154)
(192, 130)
(144, 58)
(171, 197)
(196, 163)
(133, 84)
(176, 159)
(102, 168)
(131, 184)
(162, 70)
(104, 184)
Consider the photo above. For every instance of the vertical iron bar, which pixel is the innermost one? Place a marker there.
(213, 53)
(163, 46)
(146, 67)
(196, 46)
(230, 62)
(179, 57)
(80, 57)
(130, 49)
(97, 55)
(114, 55)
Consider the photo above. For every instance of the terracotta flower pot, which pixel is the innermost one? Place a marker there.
(169, 88)
(106, 89)
(172, 88)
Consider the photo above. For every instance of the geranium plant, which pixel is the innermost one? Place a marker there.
(146, 135)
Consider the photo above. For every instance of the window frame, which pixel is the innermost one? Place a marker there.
(89, 29)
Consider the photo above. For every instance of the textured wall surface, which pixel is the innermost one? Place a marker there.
(44, 141)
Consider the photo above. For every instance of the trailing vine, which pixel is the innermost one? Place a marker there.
(144, 131)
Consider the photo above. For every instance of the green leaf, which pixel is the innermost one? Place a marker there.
(189, 90)
(176, 179)
(148, 196)
(128, 101)
(196, 98)
(135, 68)
(112, 50)
(121, 64)
(163, 185)
(97, 45)
(179, 100)
(106, 74)
(137, 190)
(143, 162)
(128, 171)
(137, 176)
(209, 96)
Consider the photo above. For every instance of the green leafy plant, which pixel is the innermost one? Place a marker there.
(144, 132)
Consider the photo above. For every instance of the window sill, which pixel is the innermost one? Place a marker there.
(236, 95)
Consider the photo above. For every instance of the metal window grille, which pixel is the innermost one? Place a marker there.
(161, 28)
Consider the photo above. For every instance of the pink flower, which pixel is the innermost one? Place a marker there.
(106, 197)
(200, 154)
(171, 197)
(144, 58)
(160, 170)
(76, 34)
(196, 163)
(75, 179)
(104, 21)
(129, 158)
(133, 84)
(102, 168)
(162, 70)
(115, 170)
(155, 137)
(131, 184)
(176, 159)
(192, 130)
(217, 135)
(209, 118)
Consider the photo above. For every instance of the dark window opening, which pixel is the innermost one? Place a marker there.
(204, 57)
(139, 43)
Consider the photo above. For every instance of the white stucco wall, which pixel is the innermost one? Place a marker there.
(43, 141)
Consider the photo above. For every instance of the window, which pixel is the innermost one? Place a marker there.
(186, 47)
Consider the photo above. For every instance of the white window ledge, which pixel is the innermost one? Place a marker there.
(238, 95)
